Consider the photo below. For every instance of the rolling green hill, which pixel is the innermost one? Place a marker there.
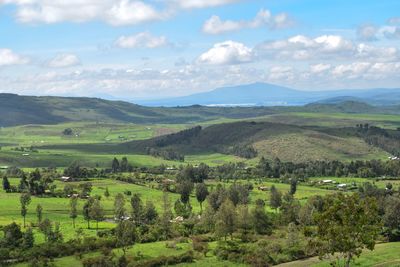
(288, 142)
(22, 110)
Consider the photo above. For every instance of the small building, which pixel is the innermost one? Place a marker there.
(178, 219)
(66, 179)
(263, 188)
(341, 186)
(327, 181)
(3, 167)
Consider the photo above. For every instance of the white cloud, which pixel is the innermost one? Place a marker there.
(228, 52)
(143, 39)
(132, 12)
(394, 21)
(215, 25)
(278, 73)
(8, 57)
(119, 12)
(373, 33)
(114, 12)
(367, 33)
(64, 61)
(189, 4)
(320, 68)
(332, 47)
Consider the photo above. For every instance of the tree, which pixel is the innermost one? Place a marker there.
(119, 207)
(275, 198)
(107, 193)
(115, 165)
(12, 235)
(217, 197)
(137, 209)
(86, 189)
(201, 194)
(86, 210)
(290, 209)
(6, 184)
(96, 212)
(226, 219)
(67, 131)
(347, 225)
(25, 200)
(244, 222)
(39, 213)
(125, 232)
(185, 188)
(46, 228)
(124, 165)
(261, 222)
(165, 220)
(293, 186)
(28, 239)
(150, 213)
(73, 211)
(391, 219)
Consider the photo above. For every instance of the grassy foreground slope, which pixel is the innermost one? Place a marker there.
(384, 255)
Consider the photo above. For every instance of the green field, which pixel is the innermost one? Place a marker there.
(384, 255)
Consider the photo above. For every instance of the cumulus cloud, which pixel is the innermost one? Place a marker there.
(335, 47)
(140, 40)
(64, 61)
(226, 53)
(8, 57)
(131, 83)
(320, 68)
(367, 33)
(264, 18)
(189, 4)
(371, 32)
(120, 12)
(114, 12)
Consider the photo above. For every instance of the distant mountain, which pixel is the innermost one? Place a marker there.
(263, 94)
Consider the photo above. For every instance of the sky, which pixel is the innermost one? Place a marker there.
(151, 49)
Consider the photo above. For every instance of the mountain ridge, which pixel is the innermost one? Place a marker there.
(264, 94)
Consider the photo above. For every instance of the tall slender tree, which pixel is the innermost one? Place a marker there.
(119, 207)
(96, 212)
(86, 210)
(39, 213)
(73, 211)
(201, 194)
(25, 200)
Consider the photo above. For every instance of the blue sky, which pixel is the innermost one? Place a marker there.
(131, 49)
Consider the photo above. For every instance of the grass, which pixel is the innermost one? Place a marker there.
(57, 209)
(310, 146)
(384, 255)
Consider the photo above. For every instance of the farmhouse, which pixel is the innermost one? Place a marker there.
(66, 179)
(328, 182)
